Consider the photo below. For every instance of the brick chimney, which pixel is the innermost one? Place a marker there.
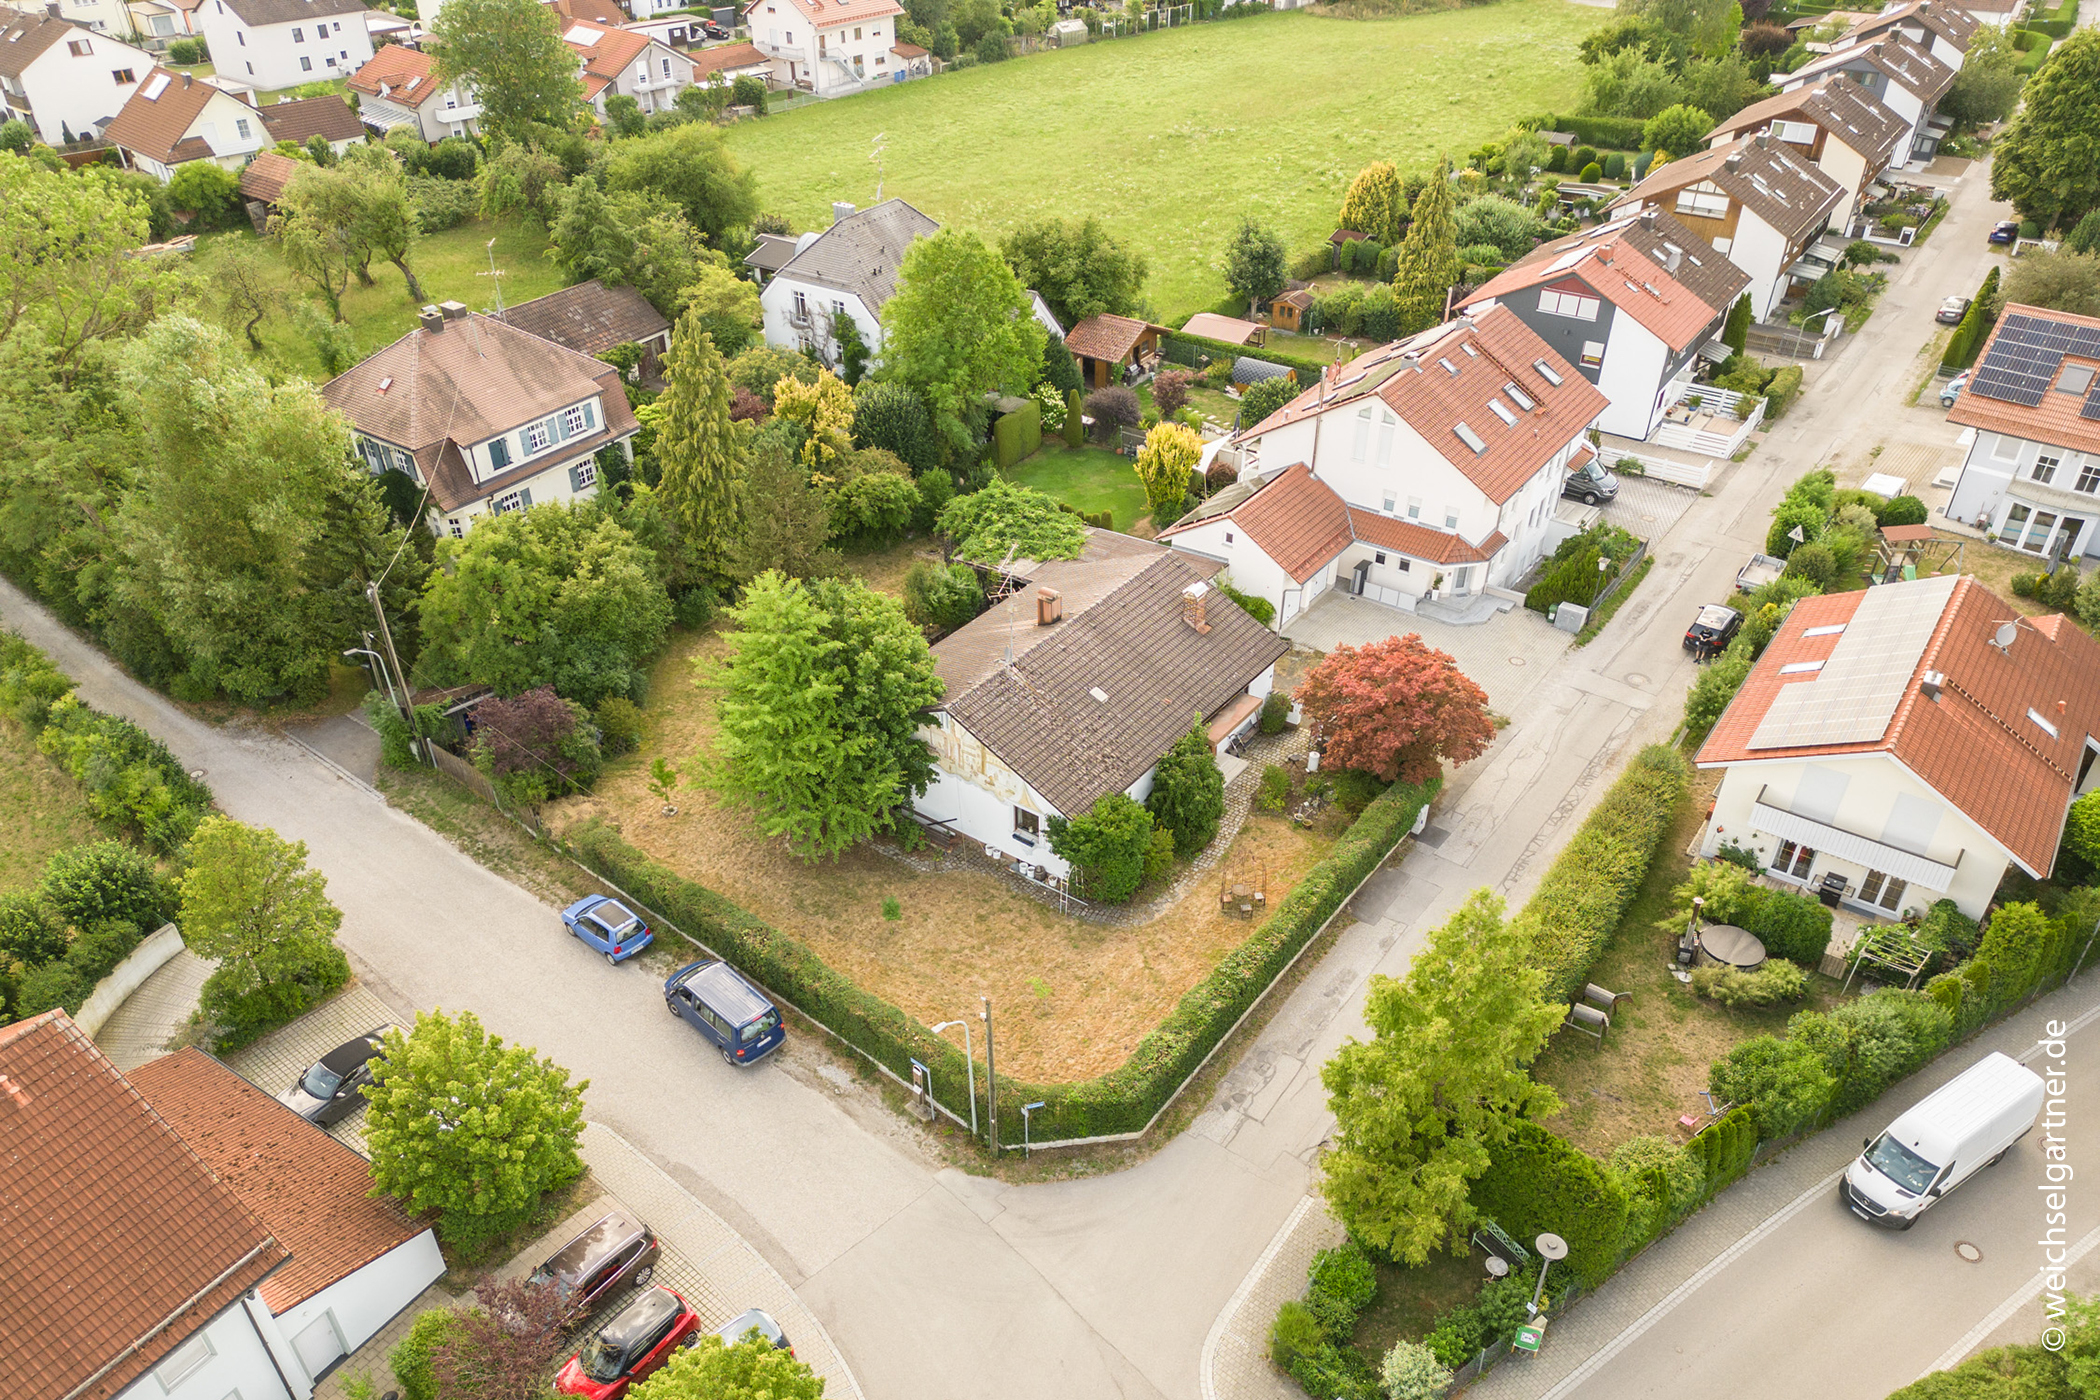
(1049, 607)
(1192, 603)
(452, 310)
(431, 319)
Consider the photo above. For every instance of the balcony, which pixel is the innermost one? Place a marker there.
(1830, 840)
(798, 316)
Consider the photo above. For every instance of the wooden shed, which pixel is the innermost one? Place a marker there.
(1107, 347)
(1288, 312)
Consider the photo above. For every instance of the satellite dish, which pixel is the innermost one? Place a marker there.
(1552, 1247)
(2008, 633)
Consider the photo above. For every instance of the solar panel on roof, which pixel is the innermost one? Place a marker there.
(1853, 698)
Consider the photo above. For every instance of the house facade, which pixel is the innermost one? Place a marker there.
(1426, 468)
(1900, 75)
(1074, 688)
(173, 118)
(65, 80)
(1756, 202)
(399, 87)
(2031, 477)
(623, 63)
(483, 416)
(1834, 124)
(1630, 305)
(1935, 26)
(271, 44)
(847, 272)
(825, 48)
(1905, 744)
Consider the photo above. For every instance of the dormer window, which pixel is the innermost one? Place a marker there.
(1470, 438)
(572, 421)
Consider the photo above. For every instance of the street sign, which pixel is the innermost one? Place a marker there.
(1530, 1335)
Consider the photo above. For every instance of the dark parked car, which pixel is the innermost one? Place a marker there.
(757, 1318)
(1714, 628)
(713, 30)
(1592, 484)
(334, 1088)
(2005, 231)
(617, 1252)
(630, 1347)
(726, 1009)
(608, 926)
(1952, 310)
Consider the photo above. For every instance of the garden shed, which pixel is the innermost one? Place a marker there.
(1288, 312)
(1108, 346)
(1067, 32)
(1248, 370)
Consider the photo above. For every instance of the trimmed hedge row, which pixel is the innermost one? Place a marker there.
(1780, 393)
(1578, 904)
(1189, 349)
(1017, 435)
(1537, 1182)
(1121, 1101)
(1624, 133)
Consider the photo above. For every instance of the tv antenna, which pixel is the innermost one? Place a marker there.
(1005, 594)
(495, 278)
(875, 155)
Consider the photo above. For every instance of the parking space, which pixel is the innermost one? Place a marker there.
(1504, 654)
(276, 1061)
(1647, 507)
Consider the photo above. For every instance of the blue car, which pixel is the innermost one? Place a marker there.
(729, 1011)
(609, 926)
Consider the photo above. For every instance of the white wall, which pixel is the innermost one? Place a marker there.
(438, 121)
(239, 1363)
(777, 302)
(1849, 168)
(361, 1304)
(268, 57)
(1252, 571)
(71, 92)
(803, 51)
(653, 80)
(1635, 360)
(1761, 252)
(1999, 473)
(977, 794)
(554, 484)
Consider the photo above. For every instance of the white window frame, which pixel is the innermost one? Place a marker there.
(1568, 304)
(2044, 468)
(508, 501)
(572, 419)
(1702, 204)
(2088, 476)
(537, 438)
(1593, 354)
(184, 1362)
(240, 125)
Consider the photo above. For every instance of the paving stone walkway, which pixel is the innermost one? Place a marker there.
(1236, 1363)
(1506, 654)
(150, 1017)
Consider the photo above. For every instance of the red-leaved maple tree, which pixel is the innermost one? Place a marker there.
(1395, 708)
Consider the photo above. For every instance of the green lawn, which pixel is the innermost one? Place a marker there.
(452, 266)
(41, 810)
(1086, 479)
(1171, 137)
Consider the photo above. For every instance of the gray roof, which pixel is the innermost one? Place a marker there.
(255, 13)
(774, 251)
(860, 253)
(1123, 635)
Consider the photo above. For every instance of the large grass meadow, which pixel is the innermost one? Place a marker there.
(1170, 137)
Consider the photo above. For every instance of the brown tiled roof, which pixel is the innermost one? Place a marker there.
(590, 317)
(597, 11)
(327, 116)
(24, 36)
(907, 51)
(1159, 673)
(1230, 329)
(2057, 419)
(1975, 745)
(724, 58)
(1840, 106)
(1907, 65)
(1105, 337)
(114, 1230)
(1484, 352)
(1626, 263)
(154, 126)
(1957, 27)
(266, 176)
(608, 55)
(410, 74)
(1767, 178)
(311, 1192)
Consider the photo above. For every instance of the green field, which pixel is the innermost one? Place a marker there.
(1088, 479)
(1171, 137)
(41, 810)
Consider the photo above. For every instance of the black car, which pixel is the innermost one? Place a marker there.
(334, 1087)
(2005, 231)
(713, 30)
(1713, 629)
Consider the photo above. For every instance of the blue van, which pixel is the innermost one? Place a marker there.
(729, 1011)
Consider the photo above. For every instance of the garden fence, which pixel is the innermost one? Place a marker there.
(1618, 580)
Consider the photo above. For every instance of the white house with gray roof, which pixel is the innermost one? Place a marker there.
(847, 271)
(272, 44)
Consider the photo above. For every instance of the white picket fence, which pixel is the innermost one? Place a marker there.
(1722, 405)
(1663, 469)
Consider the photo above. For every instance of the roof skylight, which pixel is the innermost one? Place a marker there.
(1501, 410)
(1547, 373)
(1449, 368)
(1827, 630)
(1519, 397)
(1470, 438)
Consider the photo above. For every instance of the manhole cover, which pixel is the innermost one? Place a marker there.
(1434, 836)
(1968, 1252)
(1516, 661)
(1636, 678)
(1647, 520)
(197, 773)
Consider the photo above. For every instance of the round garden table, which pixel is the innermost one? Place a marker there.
(1732, 946)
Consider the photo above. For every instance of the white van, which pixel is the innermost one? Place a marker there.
(1959, 1129)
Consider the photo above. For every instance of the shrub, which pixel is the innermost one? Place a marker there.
(1584, 156)
(696, 607)
(1159, 857)
(1275, 790)
(619, 725)
(748, 91)
(1590, 174)
(1295, 1333)
(1275, 712)
(184, 52)
(1717, 684)
(1614, 166)
(1113, 409)
(132, 781)
(1412, 1371)
(2081, 830)
(2060, 589)
(1791, 926)
(1813, 562)
(536, 746)
(107, 881)
(1106, 847)
(2026, 585)
(1870, 1043)
(56, 984)
(1188, 792)
(1260, 609)
(1725, 1147)
(1778, 980)
(1783, 1082)
(1782, 391)
(1661, 1182)
(942, 595)
(410, 1360)
(1538, 1182)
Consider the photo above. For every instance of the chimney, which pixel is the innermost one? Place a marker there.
(1049, 607)
(52, 10)
(452, 310)
(431, 319)
(1675, 260)
(1929, 685)
(186, 79)
(1764, 140)
(1192, 599)
(1648, 219)
(839, 211)
(1733, 163)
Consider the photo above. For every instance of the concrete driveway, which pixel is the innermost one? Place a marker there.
(1503, 653)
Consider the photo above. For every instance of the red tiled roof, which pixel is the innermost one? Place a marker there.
(608, 55)
(409, 74)
(830, 14)
(1419, 541)
(2055, 420)
(724, 58)
(1612, 263)
(1294, 517)
(1105, 337)
(1975, 745)
(114, 1228)
(311, 1192)
(267, 175)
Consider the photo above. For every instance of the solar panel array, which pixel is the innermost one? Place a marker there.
(1853, 698)
(2026, 355)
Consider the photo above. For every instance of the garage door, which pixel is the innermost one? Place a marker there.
(318, 1346)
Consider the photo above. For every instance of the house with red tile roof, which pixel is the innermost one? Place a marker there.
(624, 62)
(399, 87)
(828, 47)
(2032, 474)
(1905, 744)
(193, 1238)
(1631, 304)
(1425, 468)
(173, 118)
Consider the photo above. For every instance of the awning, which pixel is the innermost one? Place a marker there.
(1715, 350)
(1846, 845)
(384, 116)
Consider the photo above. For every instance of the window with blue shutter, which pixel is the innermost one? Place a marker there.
(590, 418)
(576, 479)
(499, 454)
(558, 427)
(524, 498)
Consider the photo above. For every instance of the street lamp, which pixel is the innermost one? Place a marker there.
(1812, 315)
(1550, 1247)
(969, 1063)
(1026, 1109)
(378, 664)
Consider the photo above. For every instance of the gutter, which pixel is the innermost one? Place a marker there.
(268, 1242)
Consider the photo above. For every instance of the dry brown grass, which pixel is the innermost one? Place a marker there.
(1071, 999)
(1994, 567)
(41, 810)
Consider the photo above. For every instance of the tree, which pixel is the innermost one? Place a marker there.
(2059, 281)
(1076, 266)
(107, 880)
(1060, 370)
(65, 264)
(974, 19)
(958, 328)
(893, 418)
(689, 168)
(1395, 708)
(845, 333)
(385, 217)
(818, 712)
(2082, 829)
(1420, 1107)
(1720, 86)
(1106, 847)
(874, 506)
(1373, 206)
(536, 746)
(825, 411)
(624, 115)
(1707, 27)
(1263, 397)
(750, 1369)
(1170, 391)
(786, 520)
(1505, 224)
(1112, 409)
(1188, 792)
(1680, 129)
(210, 194)
(1170, 453)
(500, 1349)
(750, 91)
(318, 251)
(511, 54)
(1254, 261)
(1428, 256)
(469, 1129)
(2047, 163)
(696, 443)
(587, 241)
(942, 595)
(1004, 518)
(1735, 334)
(250, 904)
(247, 293)
(1987, 85)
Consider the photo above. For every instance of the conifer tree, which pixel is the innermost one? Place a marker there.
(696, 441)
(1374, 205)
(1429, 261)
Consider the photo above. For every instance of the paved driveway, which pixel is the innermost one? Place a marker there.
(1504, 654)
(1648, 507)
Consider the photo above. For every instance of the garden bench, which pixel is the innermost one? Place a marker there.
(1588, 1019)
(1591, 992)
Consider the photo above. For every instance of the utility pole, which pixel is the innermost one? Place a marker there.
(386, 640)
(991, 1075)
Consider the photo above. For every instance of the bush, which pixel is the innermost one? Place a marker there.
(1784, 1083)
(1725, 1147)
(536, 746)
(1791, 926)
(184, 52)
(1584, 156)
(108, 881)
(2027, 585)
(1112, 409)
(695, 607)
(1106, 847)
(1538, 1182)
(1188, 792)
(1275, 790)
(1412, 1371)
(410, 1360)
(619, 725)
(1901, 510)
(1275, 713)
(1717, 684)
(1814, 563)
(748, 91)
(1781, 393)
(1260, 609)
(1590, 174)
(1778, 980)
(1661, 1182)
(1614, 166)
(133, 783)
(1159, 857)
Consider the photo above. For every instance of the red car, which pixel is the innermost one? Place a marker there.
(630, 1347)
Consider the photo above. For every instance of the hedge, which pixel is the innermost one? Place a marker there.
(1780, 393)
(1193, 349)
(1121, 1101)
(1536, 1182)
(1725, 1146)
(1791, 926)
(1623, 133)
(1579, 902)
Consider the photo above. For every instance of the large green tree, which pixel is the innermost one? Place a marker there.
(1420, 1107)
(784, 520)
(1076, 265)
(958, 328)
(689, 168)
(510, 52)
(819, 708)
(1254, 261)
(250, 904)
(1987, 86)
(752, 1368)
(696, 443)
(65, 257)
(2061, 281)
(469, 1128)
(587, 241)
(1374, 207)
(1188, 792)
(1428, 256)
(547, 596)
(2048, 161)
